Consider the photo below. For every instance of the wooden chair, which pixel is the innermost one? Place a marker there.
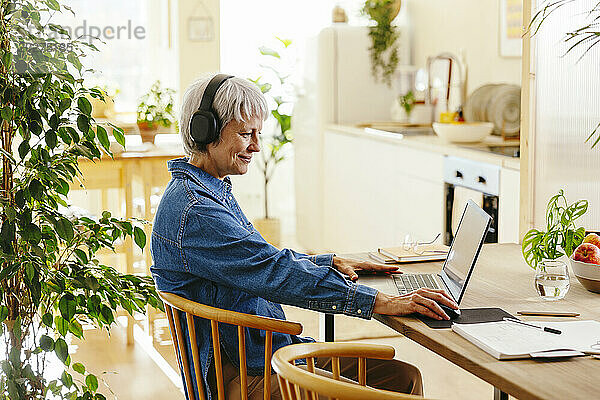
(216, 316)
(292, 378)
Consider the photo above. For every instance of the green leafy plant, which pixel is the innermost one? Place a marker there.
(384, 49)
(51, 282)
(585, 36)
(278, 92)
(156, 107)
(560, 231)
(407, 102)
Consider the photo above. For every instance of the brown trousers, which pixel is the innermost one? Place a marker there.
(391, 375)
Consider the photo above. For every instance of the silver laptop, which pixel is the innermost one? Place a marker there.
(459, 264)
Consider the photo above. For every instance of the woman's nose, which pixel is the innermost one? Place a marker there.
(255, 144)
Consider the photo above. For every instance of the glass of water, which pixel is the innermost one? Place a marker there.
(552, 279)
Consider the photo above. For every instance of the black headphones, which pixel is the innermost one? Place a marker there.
(205, 124)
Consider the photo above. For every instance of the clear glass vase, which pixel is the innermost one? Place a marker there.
(552, 279)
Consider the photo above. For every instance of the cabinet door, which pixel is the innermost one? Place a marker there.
(376, 192)
(508, 206)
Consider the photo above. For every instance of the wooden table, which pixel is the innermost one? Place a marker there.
(129, 170)
(502, 279)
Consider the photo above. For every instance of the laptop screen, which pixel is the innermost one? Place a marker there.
(464, 250)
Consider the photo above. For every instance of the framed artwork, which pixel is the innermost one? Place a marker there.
(511, 20)
(201, 29)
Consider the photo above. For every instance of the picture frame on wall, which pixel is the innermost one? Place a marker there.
(510, 32)
(200, 29)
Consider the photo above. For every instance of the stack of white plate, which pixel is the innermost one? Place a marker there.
(496, 103)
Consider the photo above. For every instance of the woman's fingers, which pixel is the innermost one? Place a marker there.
(428, 312)
(432, 306)
(439, 296)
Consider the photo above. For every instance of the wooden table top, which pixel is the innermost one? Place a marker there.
(502, 279)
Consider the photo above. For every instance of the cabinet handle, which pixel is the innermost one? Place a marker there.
(481, 179)
(459, 174)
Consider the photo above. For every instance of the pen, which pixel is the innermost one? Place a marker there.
(549, 313)
(545, 328)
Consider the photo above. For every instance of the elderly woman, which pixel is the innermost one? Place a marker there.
(205, 249)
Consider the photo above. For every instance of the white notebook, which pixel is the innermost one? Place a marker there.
(506, 340)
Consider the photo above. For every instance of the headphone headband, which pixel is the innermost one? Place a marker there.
(211, 90)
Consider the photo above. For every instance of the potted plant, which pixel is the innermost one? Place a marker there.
(154, 110)
(384, 49)
(275, 146)
(51, 282)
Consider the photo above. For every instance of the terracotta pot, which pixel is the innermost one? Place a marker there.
(146, 132)
(270, 229)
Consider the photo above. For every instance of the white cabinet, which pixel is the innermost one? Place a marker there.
(508, 206)
(376, 191)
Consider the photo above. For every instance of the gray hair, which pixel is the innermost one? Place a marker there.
(236, 99)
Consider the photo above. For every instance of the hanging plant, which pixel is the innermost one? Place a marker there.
(384, 37)
(51, 282)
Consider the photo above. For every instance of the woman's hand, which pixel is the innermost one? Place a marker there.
(349, 267)
(423, 301)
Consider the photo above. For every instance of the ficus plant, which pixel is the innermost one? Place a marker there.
(561, 236)
(278, 91)
(51, 281)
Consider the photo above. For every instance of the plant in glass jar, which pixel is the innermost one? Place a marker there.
(542, 249)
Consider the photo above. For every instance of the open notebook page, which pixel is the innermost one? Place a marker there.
(507, 340)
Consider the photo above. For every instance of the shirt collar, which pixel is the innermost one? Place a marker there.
(220, 188)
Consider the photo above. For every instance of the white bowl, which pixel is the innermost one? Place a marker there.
(467, 132)
(587, 274)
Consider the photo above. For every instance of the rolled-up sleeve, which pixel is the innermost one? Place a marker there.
(215, 246)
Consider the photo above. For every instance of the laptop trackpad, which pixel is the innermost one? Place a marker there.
(468, 316)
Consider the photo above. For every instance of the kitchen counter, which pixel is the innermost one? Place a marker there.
(435, 144)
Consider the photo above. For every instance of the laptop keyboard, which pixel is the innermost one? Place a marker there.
(408, 282)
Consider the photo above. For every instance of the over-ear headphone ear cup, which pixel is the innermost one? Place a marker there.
(204, 127)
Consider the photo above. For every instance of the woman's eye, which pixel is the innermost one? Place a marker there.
(246, 134)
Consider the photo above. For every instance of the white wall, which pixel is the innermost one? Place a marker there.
(196, 58)
(471, 25)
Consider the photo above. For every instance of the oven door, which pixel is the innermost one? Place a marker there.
(452, 213)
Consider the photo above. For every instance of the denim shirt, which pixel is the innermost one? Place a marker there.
(205, 249)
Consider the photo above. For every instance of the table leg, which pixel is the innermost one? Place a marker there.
(326, 328)
(499, 394)
(127, 179)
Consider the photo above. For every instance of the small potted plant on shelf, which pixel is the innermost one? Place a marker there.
(384, 49)
(154, 110)
(274, 146)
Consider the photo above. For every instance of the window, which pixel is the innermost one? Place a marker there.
(135, 47)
